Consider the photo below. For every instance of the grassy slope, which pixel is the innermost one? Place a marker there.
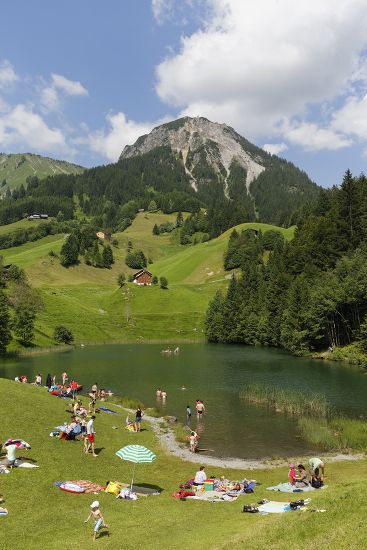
(40, 514)
(87, 299)
(21, 224)
(16, 171)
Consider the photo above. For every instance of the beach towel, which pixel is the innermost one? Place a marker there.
(106, 410)
(274, 507)
(71, 487)
(214, 496)
(22, 464)
(3, 512)
(288, 488)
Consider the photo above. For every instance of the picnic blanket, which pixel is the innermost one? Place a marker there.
(142, 491)
(86, 485)
(274, 507)
(288, 488)
(214, 496)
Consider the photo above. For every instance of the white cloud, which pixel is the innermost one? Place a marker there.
(162, 10)
(275, 148)
(313, 138)
(352, 117)
(68, 87)
(51, 96)
(21, 126)
(120, 132)
(50, 100)
(257, 65)
(7, 75)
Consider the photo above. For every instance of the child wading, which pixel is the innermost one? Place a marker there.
(99, 522)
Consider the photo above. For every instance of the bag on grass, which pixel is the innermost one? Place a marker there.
(113, 487)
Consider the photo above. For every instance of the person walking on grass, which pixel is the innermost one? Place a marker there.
(89, 438)
(138, 417)
(99, 522)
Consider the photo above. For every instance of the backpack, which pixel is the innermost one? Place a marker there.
(317, 483)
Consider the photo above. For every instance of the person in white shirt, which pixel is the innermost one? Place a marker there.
(89, 438)
(200, 476)
(38, 381)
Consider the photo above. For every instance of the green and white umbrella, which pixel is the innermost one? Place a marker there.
(136, 454)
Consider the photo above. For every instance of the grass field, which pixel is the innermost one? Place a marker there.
(42, 515)
(88, 301)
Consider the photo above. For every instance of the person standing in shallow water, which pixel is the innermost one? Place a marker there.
(200, 408)
(188, 413)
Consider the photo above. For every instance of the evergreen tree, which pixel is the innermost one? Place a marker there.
(152, 207)
(69, 252)
(214, 319)
(107, 256)
(23, 322)
(5, 336)
(179, 219)
(155, 230)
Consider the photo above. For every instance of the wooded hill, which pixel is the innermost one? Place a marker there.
(309, 293)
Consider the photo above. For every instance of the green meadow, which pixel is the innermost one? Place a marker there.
(160, 521)
(88, 301)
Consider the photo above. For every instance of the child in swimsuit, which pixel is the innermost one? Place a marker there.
(99, 522)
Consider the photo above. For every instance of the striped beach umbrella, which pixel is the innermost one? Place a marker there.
(138, 454)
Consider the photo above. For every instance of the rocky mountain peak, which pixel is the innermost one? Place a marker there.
(202, 142)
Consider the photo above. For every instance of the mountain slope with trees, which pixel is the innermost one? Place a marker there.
(308, 294)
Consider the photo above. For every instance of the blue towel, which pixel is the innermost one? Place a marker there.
(109, 411)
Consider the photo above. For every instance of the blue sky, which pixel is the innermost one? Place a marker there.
(80, 79)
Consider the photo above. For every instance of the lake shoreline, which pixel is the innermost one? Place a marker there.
(169, 443)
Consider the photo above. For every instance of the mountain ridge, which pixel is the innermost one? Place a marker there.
(16, 167)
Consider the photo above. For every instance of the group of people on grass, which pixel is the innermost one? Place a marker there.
(314, 478)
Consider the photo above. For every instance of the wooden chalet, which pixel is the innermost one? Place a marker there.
(105, 235)
(142, 278)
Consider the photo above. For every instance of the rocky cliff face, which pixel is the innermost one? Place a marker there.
(201, 142)
(221, 164)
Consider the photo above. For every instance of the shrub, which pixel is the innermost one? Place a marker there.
(63, 335)
(163, 282)
(121, 278)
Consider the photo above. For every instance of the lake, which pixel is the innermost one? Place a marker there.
(215, 374)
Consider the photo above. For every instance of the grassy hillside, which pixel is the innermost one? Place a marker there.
(21, 224)
(159, 521)
(16, 168)
(88, 301)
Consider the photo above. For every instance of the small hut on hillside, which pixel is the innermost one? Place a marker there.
(143, 277)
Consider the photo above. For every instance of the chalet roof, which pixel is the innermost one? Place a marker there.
(138, 273)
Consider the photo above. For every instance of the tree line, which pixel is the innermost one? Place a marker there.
(308, 294)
